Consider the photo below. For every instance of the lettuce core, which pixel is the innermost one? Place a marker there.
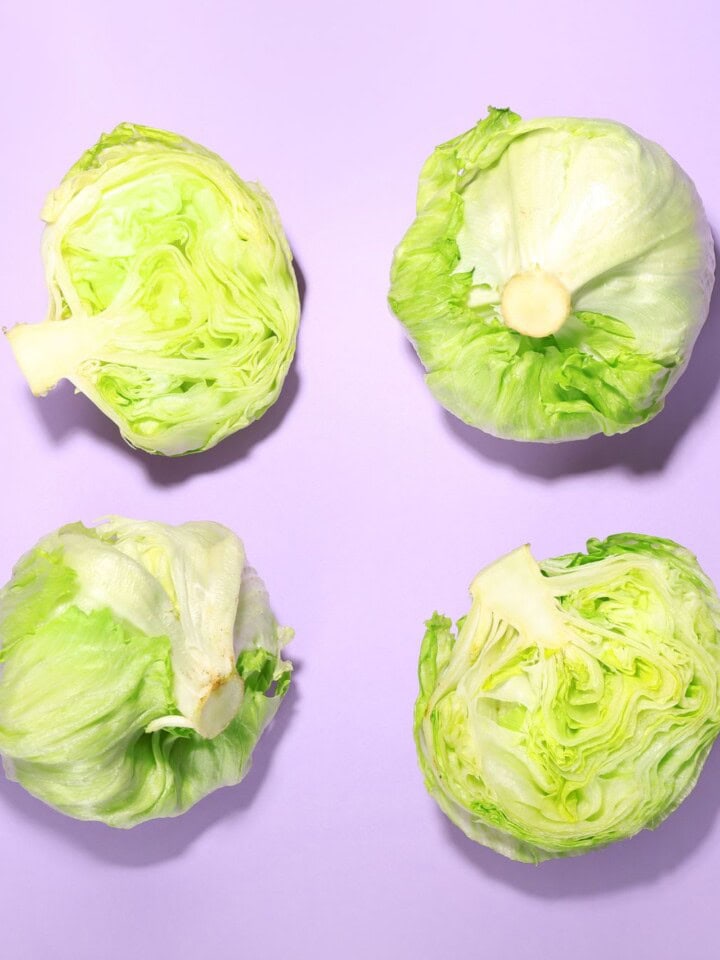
(535, 303)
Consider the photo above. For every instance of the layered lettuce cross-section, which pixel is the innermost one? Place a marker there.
(173, 301)
(576, 702)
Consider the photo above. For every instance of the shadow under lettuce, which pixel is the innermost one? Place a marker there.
(63, 412)
(165, 839)
(645, 449)
(641, 860)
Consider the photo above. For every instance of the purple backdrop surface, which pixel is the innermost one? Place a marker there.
(363, 505)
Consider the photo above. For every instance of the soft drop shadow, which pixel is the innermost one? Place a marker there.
(64, 412)
(160, 840)
(645, 449)
(641, 860)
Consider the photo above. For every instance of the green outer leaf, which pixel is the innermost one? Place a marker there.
(80, 685)
(173, 301)
(576, 703)
(639, 269)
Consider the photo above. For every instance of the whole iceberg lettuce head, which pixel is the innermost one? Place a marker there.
(173, 301)
(576, 702)
(139, 664)
(556, 276)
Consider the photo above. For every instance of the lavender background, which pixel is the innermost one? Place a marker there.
(364, 506)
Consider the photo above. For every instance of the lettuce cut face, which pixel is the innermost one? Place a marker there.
(173, 301)
(139, 665)
(555, 278)
(576, 702)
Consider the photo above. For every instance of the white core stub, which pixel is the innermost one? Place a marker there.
(535, 303)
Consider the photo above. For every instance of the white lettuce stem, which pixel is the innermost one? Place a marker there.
(514, 590)
(220, 707)
(217, 711)
(47, 352)
(535, 303)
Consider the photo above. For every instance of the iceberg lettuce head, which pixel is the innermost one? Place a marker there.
(139, 665)
(555, 278)
(173, 301)
(576, 702)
